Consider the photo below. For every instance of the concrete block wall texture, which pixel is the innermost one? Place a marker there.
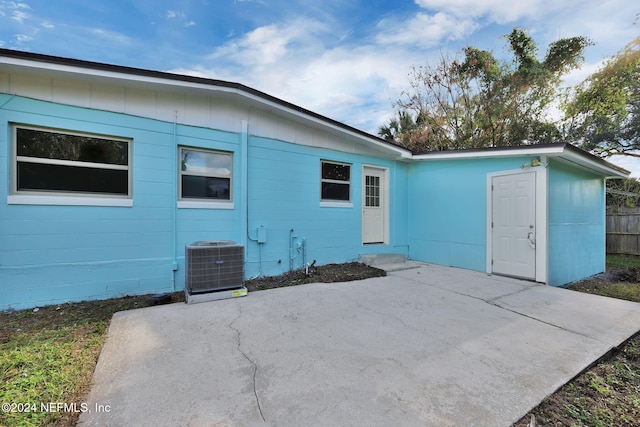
(52, 254)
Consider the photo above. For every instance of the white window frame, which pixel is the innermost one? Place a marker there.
(196, 203)
(330, 203)
(63, 198)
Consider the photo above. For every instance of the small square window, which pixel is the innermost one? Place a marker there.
(335, 182)
(205, 175)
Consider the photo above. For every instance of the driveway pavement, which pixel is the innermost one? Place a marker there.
(429, 346)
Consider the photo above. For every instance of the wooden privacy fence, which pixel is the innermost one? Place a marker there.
(623, 230)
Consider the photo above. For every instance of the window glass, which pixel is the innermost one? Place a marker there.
(69, 163)
(336, 181)
(34, 176)
(205, 174)
(336, 171)
(54, 145)
(372, 191)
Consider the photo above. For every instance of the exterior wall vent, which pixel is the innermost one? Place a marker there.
(214, 266)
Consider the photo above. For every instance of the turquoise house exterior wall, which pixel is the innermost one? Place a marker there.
(53, 254)
(448, 214)
(576, 224)
(284, 195)
(449, 220)
(56, 248)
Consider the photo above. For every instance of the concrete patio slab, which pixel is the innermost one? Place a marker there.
(431, 346)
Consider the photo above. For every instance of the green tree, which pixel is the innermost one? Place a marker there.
(623, 192)
(474, 100)
(604, 111)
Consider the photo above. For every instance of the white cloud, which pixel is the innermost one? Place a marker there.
(175, 14)
(110, 36)
(47, 25)
(15, 5)
(609, 24)
(181, 17)
(424, 29)
(19, 16)
(294, 62)
(304, 61)
(497, 10)
(23, 38)
(17, 13)
(272, 44)
(356, 81)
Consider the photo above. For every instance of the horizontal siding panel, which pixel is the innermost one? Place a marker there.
(53, 284)
(20, 227)
(101, 240)
(68, 256)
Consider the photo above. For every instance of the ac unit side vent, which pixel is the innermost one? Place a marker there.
(214, 266)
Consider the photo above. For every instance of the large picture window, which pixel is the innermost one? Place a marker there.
(335, 182)
(205, 175)
(68, 163)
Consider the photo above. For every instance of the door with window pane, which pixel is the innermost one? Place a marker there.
(374, 205)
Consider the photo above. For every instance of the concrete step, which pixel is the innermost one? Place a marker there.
(381, 259)
(389, 262)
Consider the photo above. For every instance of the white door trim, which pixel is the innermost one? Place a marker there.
(384, 192)
(541, 179)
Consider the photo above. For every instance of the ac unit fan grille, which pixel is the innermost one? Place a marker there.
(214, 266)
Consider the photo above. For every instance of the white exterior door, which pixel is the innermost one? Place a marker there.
(374, 205)
(513, 224)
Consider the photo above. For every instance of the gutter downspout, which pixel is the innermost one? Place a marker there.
(174, 265)
(244, 192)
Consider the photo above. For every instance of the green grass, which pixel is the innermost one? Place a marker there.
(623, 261)
(49, 355)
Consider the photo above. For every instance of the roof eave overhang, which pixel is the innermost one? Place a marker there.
(560, 151)
(174, 82)
(586, 160)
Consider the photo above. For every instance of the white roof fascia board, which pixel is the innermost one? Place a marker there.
(463, 154)
(560, 152)
(122, 77)
(601, 168)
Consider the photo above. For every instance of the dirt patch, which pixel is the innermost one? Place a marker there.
(324, 274)
(621, 283)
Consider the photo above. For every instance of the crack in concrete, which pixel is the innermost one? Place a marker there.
(494, 302)
(255, 366)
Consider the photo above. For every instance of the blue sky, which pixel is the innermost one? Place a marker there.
(346, 59)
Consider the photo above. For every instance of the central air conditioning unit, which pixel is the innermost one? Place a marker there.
(214, 270)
